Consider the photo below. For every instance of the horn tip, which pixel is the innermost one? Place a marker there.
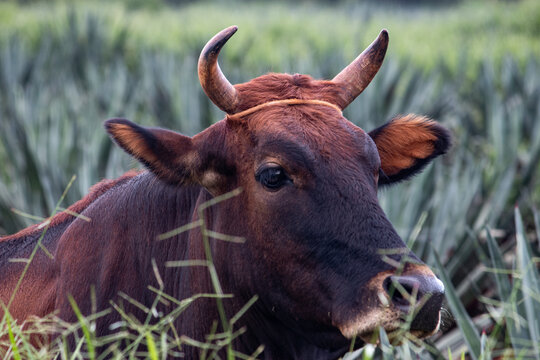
(229, 31)
(212, 80)
(384, 34)
(213, 47)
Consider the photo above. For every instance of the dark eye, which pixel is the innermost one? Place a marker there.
(272, 177)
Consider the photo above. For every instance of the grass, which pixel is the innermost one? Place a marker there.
(424, 35)
(59, 81)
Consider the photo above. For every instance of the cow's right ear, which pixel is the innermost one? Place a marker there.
(407, 144)
(169, 155)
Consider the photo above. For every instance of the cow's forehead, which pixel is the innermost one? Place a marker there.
(303, 121)
(320, 129)
(315, 131)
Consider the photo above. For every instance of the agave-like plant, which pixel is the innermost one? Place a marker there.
(512, 317)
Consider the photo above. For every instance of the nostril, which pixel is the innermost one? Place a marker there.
(403, 290)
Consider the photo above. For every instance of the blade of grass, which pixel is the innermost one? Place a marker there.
(530, 283)
(385, 345)
(464, 322)
(86, 331)
(152, 348)
(12, 340)
(507, 293)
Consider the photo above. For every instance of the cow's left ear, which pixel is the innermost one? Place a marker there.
(166, 153)
(407, 144)
(172, 157)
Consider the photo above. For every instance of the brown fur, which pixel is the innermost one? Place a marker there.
(404, 140)
(407, 144)
(273, 86)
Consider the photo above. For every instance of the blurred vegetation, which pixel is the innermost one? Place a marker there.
(305, 32)
(66, 67)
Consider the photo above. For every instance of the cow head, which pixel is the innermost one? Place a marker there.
(322, 254)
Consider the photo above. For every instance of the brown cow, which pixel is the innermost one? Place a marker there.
(319, 251)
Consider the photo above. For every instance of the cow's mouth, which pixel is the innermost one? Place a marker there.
(397, 335)
(407, 305)
(367, 326)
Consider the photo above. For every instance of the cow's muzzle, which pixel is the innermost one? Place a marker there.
(406, 302)
(419, 297)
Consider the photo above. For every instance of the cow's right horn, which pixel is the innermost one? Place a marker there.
(358, 74)
(214, 83)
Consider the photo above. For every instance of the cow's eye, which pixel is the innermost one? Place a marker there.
(272, 177)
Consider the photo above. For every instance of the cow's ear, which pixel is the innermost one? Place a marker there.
(407, 144)
(169, 155)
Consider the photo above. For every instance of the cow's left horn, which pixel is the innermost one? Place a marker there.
(214, 83)
(358, 74)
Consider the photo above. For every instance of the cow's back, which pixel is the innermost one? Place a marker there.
(35, 294)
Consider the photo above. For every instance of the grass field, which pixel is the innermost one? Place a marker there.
(305, 33)
(472, 216)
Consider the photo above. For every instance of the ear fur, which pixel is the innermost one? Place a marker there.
(407, 144)
(169, 155)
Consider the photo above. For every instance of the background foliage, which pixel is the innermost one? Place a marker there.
(67, 66)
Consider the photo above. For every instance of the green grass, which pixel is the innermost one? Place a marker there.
(305, 32)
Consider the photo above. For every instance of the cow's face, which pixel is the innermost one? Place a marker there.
(320, 241)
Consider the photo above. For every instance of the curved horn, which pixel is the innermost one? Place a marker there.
(358, 74)
(214, 83)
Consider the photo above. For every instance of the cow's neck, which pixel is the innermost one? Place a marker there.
(278, 340)
(276, 332)
(285, 338)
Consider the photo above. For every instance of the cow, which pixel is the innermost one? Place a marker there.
(319, 252)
